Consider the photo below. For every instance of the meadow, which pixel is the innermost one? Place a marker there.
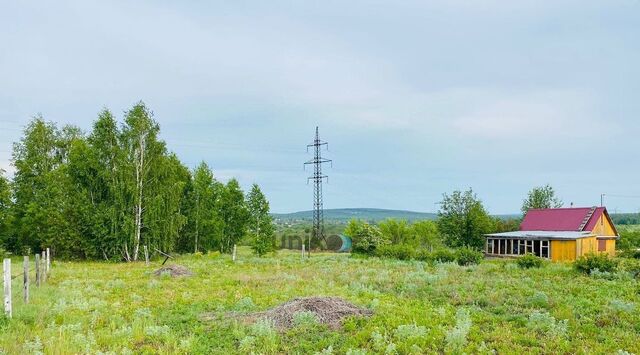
(494, 307)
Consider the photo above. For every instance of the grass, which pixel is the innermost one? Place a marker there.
(419, 308)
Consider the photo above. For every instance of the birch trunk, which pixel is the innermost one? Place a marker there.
(139, 184)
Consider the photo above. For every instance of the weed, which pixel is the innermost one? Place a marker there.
(456, 338)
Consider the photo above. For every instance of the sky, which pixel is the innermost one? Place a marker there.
(416, 98)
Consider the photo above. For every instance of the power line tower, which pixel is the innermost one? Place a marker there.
(317, 161)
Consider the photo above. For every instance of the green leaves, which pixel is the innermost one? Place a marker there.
(105, 194)
(463, 221)
(260, 222)
(541, 197)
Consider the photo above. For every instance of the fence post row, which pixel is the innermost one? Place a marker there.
(26, 279)
(6, 266)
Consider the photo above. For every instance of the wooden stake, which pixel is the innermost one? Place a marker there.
(48, 260)
(233, 257)
(38, 276)
(6, 267)
(146, 255)
(43, 272)
(302, 251)
(25, 279)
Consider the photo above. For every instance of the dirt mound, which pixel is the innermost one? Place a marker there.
(329, 310)
(173, 271)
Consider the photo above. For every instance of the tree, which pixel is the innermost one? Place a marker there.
(142, 150)
(5, 209)
(463, 220)
(397, 231)
(541, 197)
(234, 214)
(367, 238)
(260, 222)
(426, 234)
(205, 225)
(36, 158)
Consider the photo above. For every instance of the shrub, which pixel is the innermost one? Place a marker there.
(590, 262)
(468, 256)
(367, 239)
(539, 299)
(529, 261)
(543, 322)
(631, 266)
(443, 256)
(398, 251)
(456, 338)
(408, 331)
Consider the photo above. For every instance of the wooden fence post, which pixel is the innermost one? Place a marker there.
(48, 260)
(235, 250)
(6, 266)
(25, 278)
(43, 272)
(146, 255)
(38, 276)
(302, 251)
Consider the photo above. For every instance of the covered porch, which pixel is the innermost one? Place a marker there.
(504, 246)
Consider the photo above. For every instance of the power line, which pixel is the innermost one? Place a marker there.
(318, 177)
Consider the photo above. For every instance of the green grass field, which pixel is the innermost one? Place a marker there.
(419, 308)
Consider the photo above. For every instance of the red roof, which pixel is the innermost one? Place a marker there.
(561, 219)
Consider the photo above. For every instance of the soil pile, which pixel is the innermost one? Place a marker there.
(173, 271)
(329, 310)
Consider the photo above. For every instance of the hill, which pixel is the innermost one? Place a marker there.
(346, 214)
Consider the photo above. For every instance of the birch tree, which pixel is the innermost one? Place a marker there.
(260, 222)
(234, 214)
(139, 141)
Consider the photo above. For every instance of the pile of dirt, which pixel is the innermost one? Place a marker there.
(173, 271)
(329, 310)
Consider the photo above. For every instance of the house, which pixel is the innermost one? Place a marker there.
(559, 234)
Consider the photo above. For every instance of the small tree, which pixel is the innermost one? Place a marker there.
(367, 239)
(260, 222)
(426, 234)
(541, 197)
(463, 221)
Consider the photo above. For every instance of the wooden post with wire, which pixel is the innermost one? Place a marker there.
(25, 279)
(235, 251)
(146, 255)
(38, 276)
(43, 272)
(6, 267)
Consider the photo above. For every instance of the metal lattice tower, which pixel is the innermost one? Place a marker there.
(317, 178)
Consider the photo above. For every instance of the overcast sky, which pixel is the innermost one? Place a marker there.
(415, 98)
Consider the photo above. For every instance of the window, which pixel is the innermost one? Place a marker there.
(544, 248)
(602, 245)
(489, 246)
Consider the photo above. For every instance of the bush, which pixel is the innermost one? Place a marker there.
(468, 256)
(632, 266)
(529, 261)
(443, 256)
(600, 262)
(367, 239)
(398, 251)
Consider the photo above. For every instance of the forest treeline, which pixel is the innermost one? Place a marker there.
(108, 193)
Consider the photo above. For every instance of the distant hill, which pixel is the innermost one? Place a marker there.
(346, 214)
